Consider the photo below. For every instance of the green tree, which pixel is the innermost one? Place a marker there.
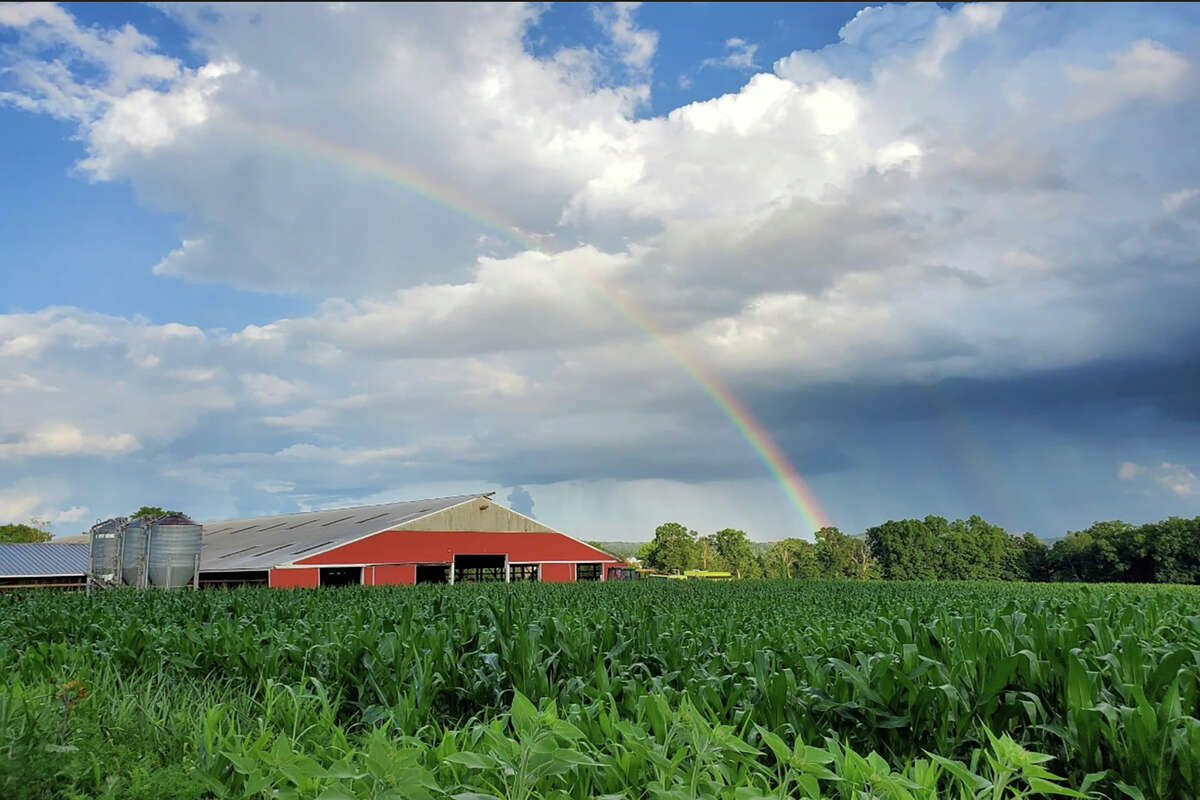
(1106, 551)
(1176, 547)
(842, 556)
(674, 548)
(790, 558)
(733, 552)
(1025, 559)
(974, 549)
(152, 512)
(17, 533)
(909, 549)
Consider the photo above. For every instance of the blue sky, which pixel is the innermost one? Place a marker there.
(946, 256)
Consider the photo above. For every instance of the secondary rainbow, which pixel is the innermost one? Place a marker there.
(722, 396)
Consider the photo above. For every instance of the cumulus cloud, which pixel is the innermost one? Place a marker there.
(1175, 478)
(32, 500)
(1146, 69)
(739, 55)
(1177, 200)
(64, 439)
(635, 45)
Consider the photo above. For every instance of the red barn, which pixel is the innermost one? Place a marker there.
(466, 538)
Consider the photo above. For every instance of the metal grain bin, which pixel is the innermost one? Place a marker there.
(173, 550)
(133, 552)
(104, 539)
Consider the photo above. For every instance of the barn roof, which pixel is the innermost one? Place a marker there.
(260, 543)
(31, 560)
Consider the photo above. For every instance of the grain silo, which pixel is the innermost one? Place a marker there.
(173, 552)
(133, 551)
(104, 551)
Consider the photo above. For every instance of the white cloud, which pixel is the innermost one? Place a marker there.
(1176, 478)
(301, 420)
(24, 382)
(739, 55)
(72, 514)
(952, 30)
(1179, 479)
(18, 505)
(1177, 200)
(64, 439)
(267, 390)
(1146, 69)
(1129, 470)
(635, 45)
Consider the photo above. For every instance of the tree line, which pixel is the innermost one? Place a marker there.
(935, 548)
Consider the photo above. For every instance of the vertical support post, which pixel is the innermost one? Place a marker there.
(144, 578)
(120, 572)
(451, 570)
(507, 570)
(91, 544)
(196, 572)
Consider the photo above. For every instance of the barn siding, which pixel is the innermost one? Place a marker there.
(393, 574)
(292, 578)
(477, 515)
(434, 547)
(558, 573)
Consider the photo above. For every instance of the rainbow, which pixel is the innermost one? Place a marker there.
(374, 165)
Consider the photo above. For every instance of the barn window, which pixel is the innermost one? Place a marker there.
(587, 572)
(524, 572)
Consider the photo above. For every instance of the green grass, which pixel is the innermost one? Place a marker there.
(633, 689)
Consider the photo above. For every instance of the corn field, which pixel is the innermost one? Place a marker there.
(631, 689)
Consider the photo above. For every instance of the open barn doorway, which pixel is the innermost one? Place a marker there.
(479, 569)
(341, 576)
(433, 573)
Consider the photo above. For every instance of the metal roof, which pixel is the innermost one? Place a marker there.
(42, 560)
(263, 542)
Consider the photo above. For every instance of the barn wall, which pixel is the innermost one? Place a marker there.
(391, 574)
(431, 547)
(291, 578)
(558, 573)
(477, 515)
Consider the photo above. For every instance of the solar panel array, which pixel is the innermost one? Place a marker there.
(42, 560)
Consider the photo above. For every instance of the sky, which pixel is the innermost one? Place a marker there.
(760, 266)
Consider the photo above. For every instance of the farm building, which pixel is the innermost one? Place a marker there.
(465, 538)
(29, 565)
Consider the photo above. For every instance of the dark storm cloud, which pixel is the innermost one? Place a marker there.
(1086, 397)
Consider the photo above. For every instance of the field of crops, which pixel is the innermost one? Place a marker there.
(666, 690)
